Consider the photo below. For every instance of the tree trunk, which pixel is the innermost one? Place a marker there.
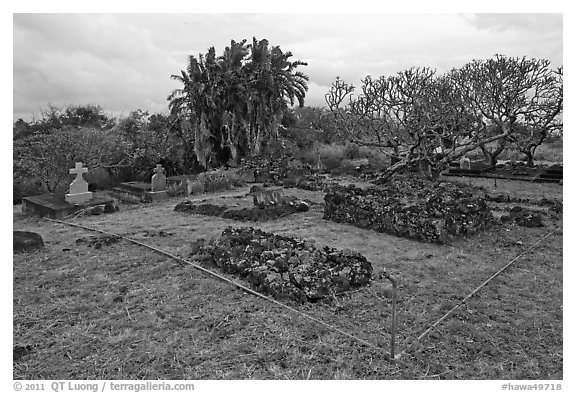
(387, 174)
(529, 153)
(492, 155)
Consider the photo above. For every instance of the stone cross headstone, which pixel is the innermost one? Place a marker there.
(159, 179)
(79, 187)
(465, 163)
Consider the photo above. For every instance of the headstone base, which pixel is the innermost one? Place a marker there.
(133, 192)
(156, 196)
(138, 192)
(79, 198)
(55, 205)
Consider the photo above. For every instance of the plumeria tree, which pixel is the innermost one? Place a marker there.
(414, 116)
(418, 117)
(519, 97)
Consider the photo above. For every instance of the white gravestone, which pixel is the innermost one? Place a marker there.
(159, 179)
(465, 163)
(158, 190)
(79, 187)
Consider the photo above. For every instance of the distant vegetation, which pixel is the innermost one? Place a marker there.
(241, 104)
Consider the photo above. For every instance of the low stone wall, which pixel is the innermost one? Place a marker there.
(284, 267)
(411, 208)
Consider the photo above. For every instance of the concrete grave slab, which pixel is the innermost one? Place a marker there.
(55, 205)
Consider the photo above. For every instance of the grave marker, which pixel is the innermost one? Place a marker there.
(137, 191)
(159, 179)
(465, 163)
(79, 187)
(158, 190)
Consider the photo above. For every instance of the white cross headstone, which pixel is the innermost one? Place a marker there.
(159, 179)
(79, 187)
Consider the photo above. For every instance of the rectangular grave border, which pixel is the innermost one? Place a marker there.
(390, 356)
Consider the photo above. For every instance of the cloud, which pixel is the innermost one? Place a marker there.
(82, 59)
(526, 23)
(531, 35)
(123, 62)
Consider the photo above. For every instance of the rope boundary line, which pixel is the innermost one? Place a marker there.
(466, 298)
(238, 285)
(309, 317)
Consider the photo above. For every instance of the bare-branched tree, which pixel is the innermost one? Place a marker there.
(513, 95)
(419, 118)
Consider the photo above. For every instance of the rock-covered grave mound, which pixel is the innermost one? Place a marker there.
(282, 266)
(244, 214)
(411, 207)
(268, 205)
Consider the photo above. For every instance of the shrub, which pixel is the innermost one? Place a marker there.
(309, 156)
(552, 152)
(26, 187)
(49, 157)
(177, 189)
(217, 184)
(100, 179)
(351, 151)
(346, 168)
(217, 180)
(194, 187)
(331, 156)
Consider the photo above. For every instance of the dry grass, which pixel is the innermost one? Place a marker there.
(123, 312)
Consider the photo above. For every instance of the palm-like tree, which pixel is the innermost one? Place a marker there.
(273, 83)
(237, 100)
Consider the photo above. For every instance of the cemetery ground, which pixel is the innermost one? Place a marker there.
(95, 307)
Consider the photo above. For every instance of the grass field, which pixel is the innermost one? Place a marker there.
(120, 311)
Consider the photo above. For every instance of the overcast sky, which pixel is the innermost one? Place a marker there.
(123, 62)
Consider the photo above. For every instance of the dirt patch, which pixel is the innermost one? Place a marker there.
(523, 217)
(20, 351)
(98, 241)
(285, 267)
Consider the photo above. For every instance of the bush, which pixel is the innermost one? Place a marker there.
(351, 151)
(552, 151)
(346, 168)
(331, 156)
(217, 184)
(309, 156)
(178, 189)
(217, 181)
(49, 157)
(26, 187)
(100, 179)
